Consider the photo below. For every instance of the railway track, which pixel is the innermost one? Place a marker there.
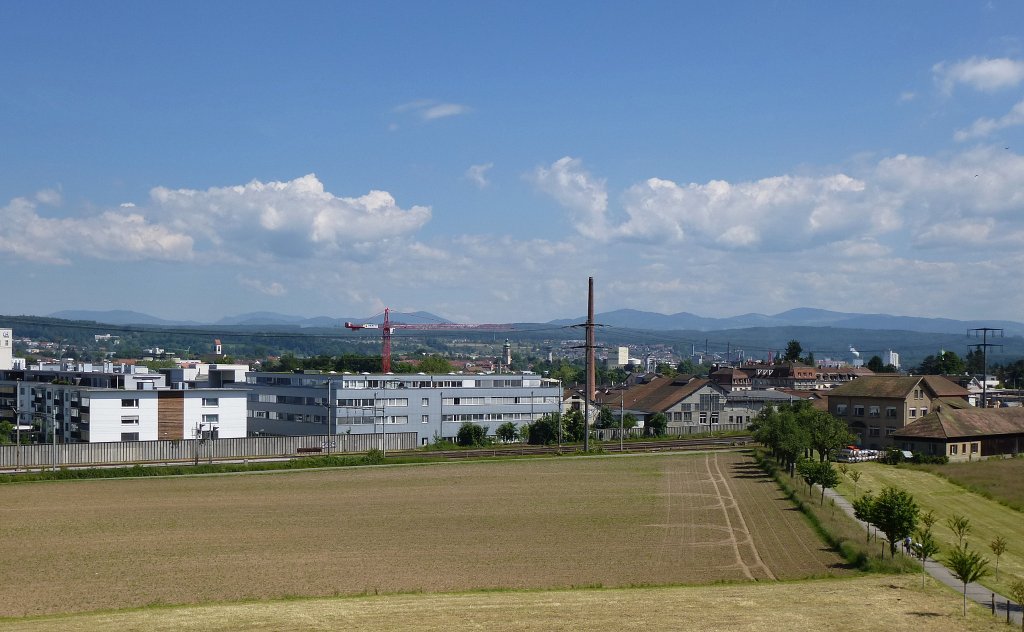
(669, 445)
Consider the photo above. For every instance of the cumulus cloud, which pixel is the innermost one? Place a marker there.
(293, 219)
(899, 198)
(259, 221)
(983, 127)
(572, 186)
(477, 174)
(980, 73)
(118, 235)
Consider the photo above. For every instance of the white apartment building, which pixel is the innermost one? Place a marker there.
(6, 349)
(83, 403)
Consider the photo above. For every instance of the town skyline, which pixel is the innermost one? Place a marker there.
(481, 162)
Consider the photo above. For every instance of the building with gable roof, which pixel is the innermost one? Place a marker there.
(965, 433)
(875, 407)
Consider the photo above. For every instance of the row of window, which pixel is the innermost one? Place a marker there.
(287, 380)
(875, 411)
(875, 431)
(487, 417)
(133, 402)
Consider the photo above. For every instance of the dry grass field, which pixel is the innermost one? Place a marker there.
(866, 603)
(76, 546)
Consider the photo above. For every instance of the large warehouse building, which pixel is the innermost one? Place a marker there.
(432, 406)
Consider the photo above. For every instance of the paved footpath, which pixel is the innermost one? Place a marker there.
(975, 592)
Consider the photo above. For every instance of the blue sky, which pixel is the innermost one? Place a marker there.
(481, 160)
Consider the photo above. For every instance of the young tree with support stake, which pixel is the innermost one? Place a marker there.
(960, 526)
(967, 566)
(925, 547)
(998, 546)
(1017, 592)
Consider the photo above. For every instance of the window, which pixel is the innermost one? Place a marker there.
(210, 419)
(858, 411)
(425, 419)
(890, 412)
(134, 420)
(398, 419)
(130, 403)
(211, 401)
(129, 436)
(688, 416)
(974, 448)
(913, 413)
(714, 418)
(874, 431)
(840, 409)
(952, 448)
(703, 418)
(425, 401)
(889, 430)
(872, 411)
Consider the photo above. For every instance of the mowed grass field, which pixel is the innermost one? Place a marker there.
(1003, 479)
(934, 493)
(77, 546)
(868, 603)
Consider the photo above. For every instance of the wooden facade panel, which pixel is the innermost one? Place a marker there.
(171, 415)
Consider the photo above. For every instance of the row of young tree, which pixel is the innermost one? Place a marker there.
(795, 430)
(896, 514)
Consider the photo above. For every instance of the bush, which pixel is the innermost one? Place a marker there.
(656, 425)
(471, 434)
(934, 459)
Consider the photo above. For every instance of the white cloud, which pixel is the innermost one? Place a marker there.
(265, 222)
(116, 235)
(271, 288)
(983, 127)
(293, 219)
(429, 109)
(477, 174)
(907, 96)
(50, 197)
(573, 187)
(895, 203)
(980, 73)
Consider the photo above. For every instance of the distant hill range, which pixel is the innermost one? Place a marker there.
(800, 317)
(622, 318)
(253, 319)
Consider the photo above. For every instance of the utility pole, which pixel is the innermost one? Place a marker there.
(53, 419)
(330, 415)
(561, 397)
(591, 373)
(622, 410)
(984, 345)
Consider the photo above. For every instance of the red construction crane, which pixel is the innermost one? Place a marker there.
(388, 327)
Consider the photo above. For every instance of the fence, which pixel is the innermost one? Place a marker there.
(77, 454)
